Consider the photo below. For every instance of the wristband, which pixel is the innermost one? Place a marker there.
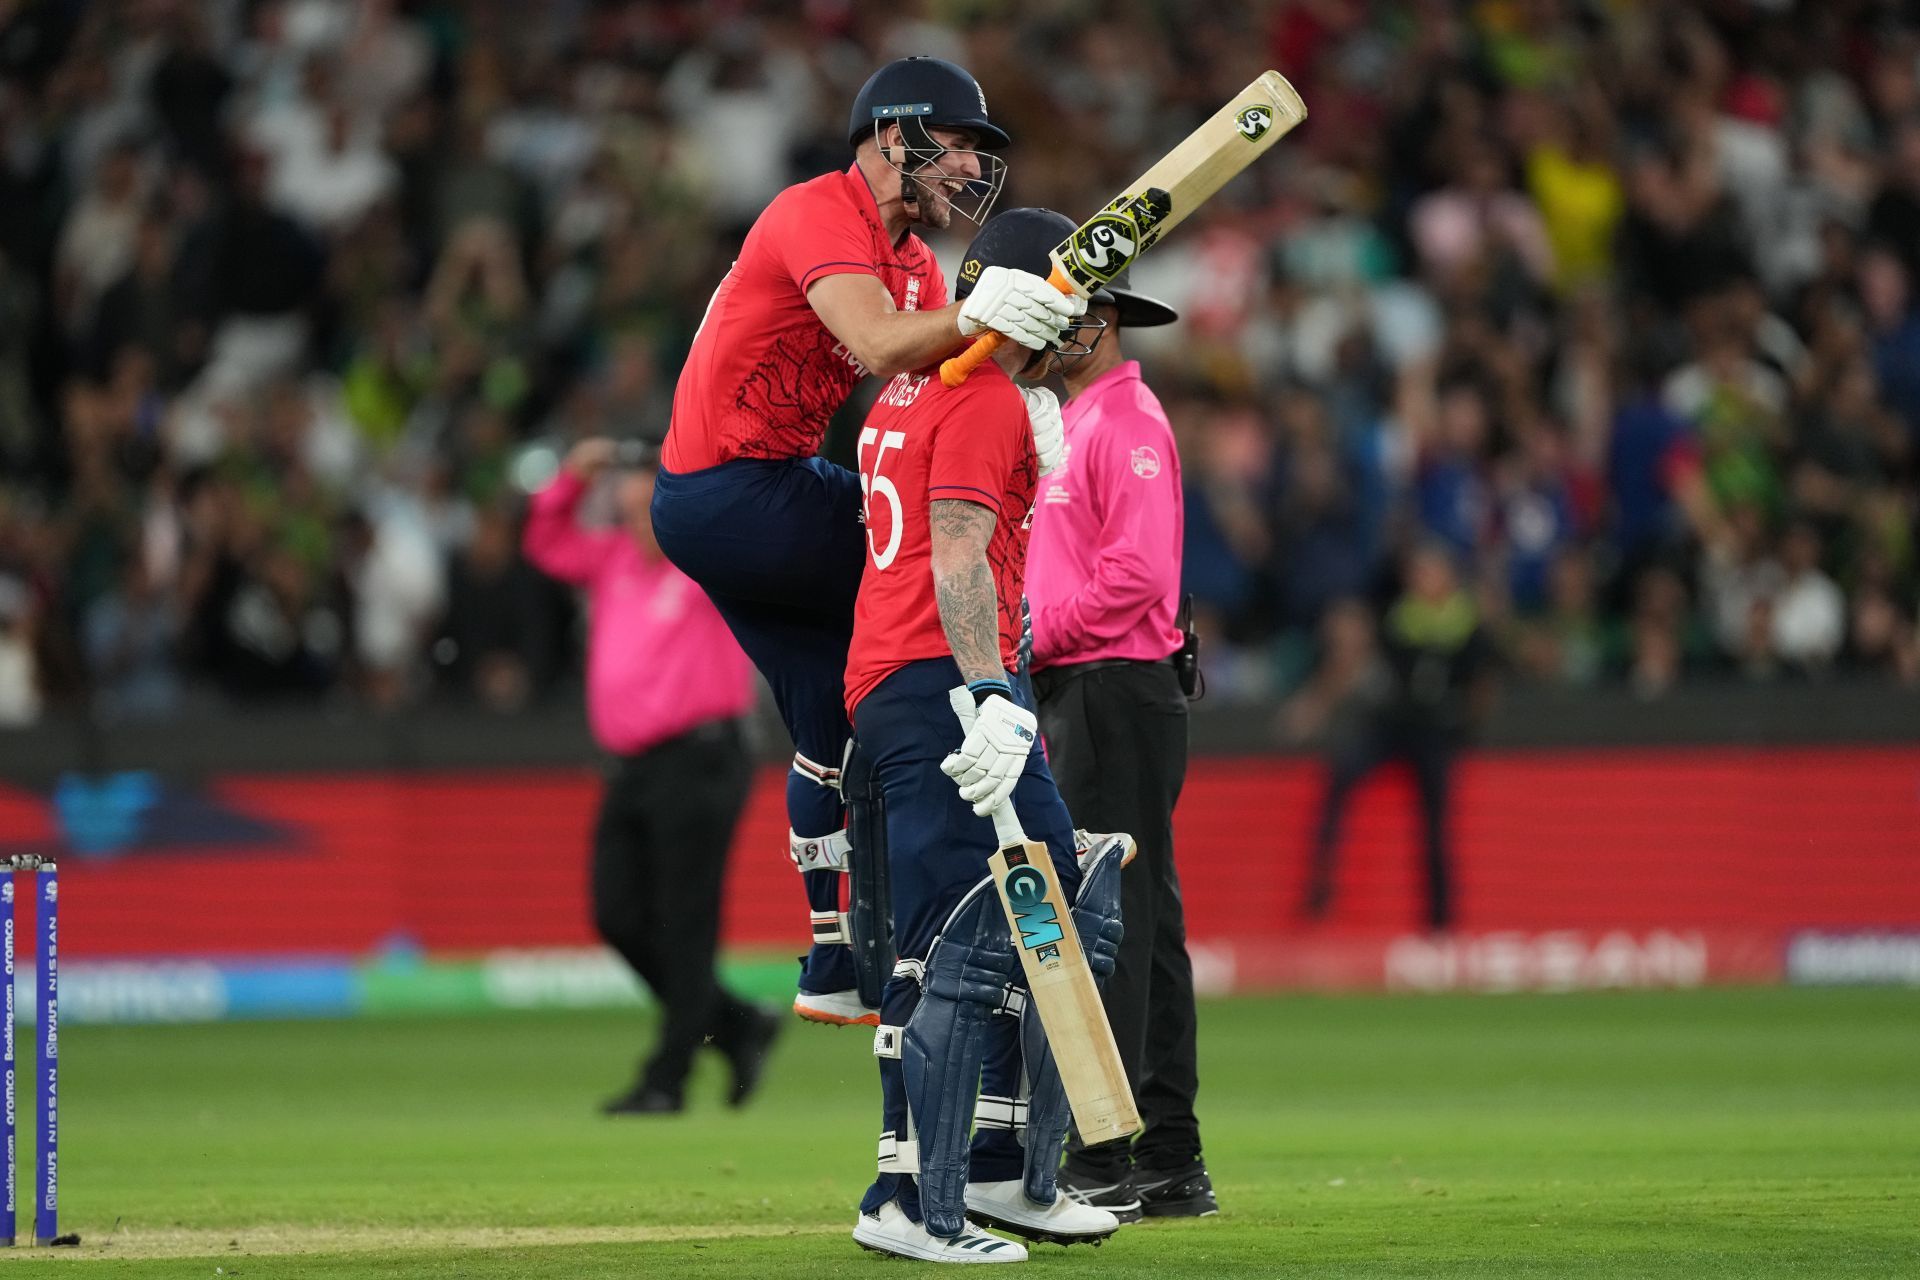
(984, 689)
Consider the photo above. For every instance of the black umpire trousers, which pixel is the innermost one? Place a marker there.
(659, 860)
(1429, 752)
(1116, 738)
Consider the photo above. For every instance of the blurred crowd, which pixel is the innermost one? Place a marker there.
(1615, 300)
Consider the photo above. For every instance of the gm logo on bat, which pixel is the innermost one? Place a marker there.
(1039, 924)
(1253, 122)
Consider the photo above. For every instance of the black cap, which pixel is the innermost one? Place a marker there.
(1137, 310)
(1019, 239)
(933, 91)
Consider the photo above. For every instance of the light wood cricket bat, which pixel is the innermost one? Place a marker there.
(1158, 200)
(1058, 979)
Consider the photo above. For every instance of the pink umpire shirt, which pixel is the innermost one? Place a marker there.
(660, 662)
(1103, 566)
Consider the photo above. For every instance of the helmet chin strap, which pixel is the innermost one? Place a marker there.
(909, 196)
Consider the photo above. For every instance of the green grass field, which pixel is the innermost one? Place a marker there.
(1732, 1133)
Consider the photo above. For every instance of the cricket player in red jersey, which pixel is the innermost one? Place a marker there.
(831, 285)
(974, 1117)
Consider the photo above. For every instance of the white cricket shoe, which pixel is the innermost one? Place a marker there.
(835, 1009)
(1065, 1221)
(1085, 842)
(892, 1231)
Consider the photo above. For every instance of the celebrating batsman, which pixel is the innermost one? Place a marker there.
(831, 285)
(951, 475)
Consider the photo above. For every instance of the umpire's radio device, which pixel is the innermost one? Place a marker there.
(1186, 659)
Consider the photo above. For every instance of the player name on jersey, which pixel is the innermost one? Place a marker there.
(904, 389)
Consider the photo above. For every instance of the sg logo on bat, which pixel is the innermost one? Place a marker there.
(1106, 244)
(1109, 241)
(1254, 121)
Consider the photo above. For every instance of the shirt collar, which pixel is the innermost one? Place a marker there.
(863, 196)
(1127, 371)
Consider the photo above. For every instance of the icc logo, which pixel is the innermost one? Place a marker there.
(1253, 122)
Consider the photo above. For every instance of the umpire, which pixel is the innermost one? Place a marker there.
(1111, 668)
(666, 690)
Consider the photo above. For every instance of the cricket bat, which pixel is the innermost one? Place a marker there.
(1058, 980)
(1160, 199)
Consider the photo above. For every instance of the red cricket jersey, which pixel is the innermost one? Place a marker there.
(764, 374)
(923, 442)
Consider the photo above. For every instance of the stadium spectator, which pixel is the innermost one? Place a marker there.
(1536, 280)
(1564, 642)
(1809, 613)
(1659, 644)
(499, 640)
(131, 636)
(97, 240)
(19, 682)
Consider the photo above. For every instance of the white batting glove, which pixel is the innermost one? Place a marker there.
(991, 759)
(1049, 432)
(1020, 305)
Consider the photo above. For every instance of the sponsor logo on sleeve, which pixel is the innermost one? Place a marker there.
(1146, 463)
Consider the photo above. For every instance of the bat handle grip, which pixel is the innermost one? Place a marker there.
(1006, 823)
(957, 370)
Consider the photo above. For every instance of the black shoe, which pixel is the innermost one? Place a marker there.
(1183, 1193)
(1117, 1198)
(749, 1056)
(643, 1100)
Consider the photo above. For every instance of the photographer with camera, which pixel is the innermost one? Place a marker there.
(667, 687)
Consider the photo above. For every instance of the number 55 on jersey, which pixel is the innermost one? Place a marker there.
(921, 443)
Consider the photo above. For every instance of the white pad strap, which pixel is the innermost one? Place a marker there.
(999, 1113)
(818, 853)
(913, 969)
(1013, 1002)
(897, 1156)
(815, 772)
(887, 1041)
(830, 927)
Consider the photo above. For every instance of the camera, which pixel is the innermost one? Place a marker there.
(636, 453)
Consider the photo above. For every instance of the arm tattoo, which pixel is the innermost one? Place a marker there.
(963, 587)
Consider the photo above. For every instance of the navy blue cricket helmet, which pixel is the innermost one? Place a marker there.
(928, 92)
(1019, 239)
(1024, 240)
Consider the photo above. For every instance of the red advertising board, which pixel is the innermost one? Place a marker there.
(1557, 852)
